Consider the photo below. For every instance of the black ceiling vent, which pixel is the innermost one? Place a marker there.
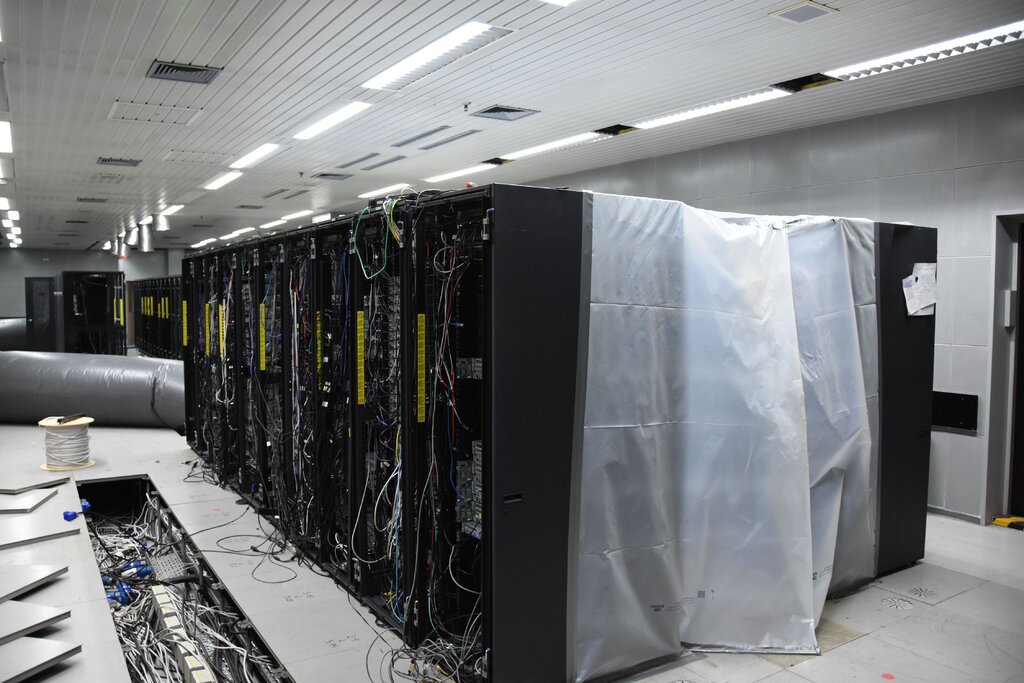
(503, 113)
(77, 222)
(202, 225)
(92, 200)
(183, 73)
(67, 234)
(453, 138)
(359, 160)
(617, 129)
(420, 136)
(275, 192)
(293, 195)
(112, 161)
(252, 207)
(333, 176)
(383, 163)
(805, 82)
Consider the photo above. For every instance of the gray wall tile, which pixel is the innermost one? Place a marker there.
(972, 300)
(981, 191)
(922, 199)
(678, 176)
(944, 308)
(781, 202)
(990, 127)
(917, 139)
(725, 170)
(856, 199)
(847, 150)
(965, 467)
(780, 161)
(969, 368)
(942, 367)
(937, 470)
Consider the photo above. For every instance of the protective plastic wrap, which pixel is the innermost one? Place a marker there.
(695, 506)
(116, 390)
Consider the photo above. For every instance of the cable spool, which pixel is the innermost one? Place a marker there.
(66, 445)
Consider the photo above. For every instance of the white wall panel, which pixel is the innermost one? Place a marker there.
(916, 140)
(990, 128)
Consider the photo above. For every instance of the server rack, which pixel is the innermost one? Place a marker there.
(80, 312)
(156, 309)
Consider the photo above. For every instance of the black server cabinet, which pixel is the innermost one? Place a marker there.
(905, 365)
(42, 314)
(497, 323)
(156, 311)
(93, 312)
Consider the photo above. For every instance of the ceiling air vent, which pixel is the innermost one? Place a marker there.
(251, 207)
(805, 82)
(92, 200)
(421, 136)
(144, 112)
(275, 193)
(382, 163)
(457, 136)
(293, 195)
(360, 160)
(77, 222)
(204, 225)
(804, 12)
(333, 176)
(503, 113)
(111, 161)
(183, 73)
(61, 244)
(67, 234)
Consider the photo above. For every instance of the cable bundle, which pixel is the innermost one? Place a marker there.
(66, 445)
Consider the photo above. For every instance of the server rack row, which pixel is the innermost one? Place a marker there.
(77, 312)
(157, 316)
(398, 393)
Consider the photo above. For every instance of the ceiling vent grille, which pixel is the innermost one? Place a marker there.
(251, 207)
(421, 136)
(804, 12)
(457, 136)
(182, 73)
(77, 222)
(92, 200)
(382, 163)
(360, 160)
(67, 234)
(333, 176)
(143, 112)
(503, 113)
(275, 193)
(112, 161)
(191, 157)
(203, 225)
(107, 178)
(293, 195)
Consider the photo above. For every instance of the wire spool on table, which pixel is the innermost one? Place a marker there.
(66, 445)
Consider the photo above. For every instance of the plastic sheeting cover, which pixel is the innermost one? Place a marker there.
(116, 390)
(695, 505)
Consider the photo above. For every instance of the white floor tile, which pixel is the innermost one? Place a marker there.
(928, 583)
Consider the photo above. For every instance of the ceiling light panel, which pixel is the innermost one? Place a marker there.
(6, 146)
(255, 156)
(7, 223)
(173, 209)
(993, 37)
(716, 107)
(297, 214)
(384, 190)
(146, 220)
(272, 224)
(332, 120)
(479, 168)
(571, 141)
(5, 204)
(448, 48)
(222, 180)
(321, 218)
(14, 215)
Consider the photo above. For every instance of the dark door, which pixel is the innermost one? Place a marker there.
(1017, 453)
(40, 314)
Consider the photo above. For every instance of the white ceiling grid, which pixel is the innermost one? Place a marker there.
(288, 63)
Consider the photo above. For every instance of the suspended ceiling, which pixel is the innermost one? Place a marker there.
(72, 67)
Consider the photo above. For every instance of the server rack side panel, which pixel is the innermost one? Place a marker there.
(535, 303)
(906, 352)
(188, 341)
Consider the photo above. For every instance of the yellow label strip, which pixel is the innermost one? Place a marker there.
(421, 367)
(122, 310)
(263, 336)
(222, 335)
(184, 322)
(360, 358)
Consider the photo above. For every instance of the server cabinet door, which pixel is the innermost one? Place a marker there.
(906, 348)
(40, 316)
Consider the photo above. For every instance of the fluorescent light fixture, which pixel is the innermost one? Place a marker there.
(16, 230)
(973, 42)
(197, 245)
(242, 231)
(443, 51)
(456, 174)
(709, 108)
(321, 218)
(254, 156)
(384, 190)
(5, 204)
(557, 144)
(106, 245)
(146, 220)
(14, 215)
(297, 214)
(229, 236)
(14, 245)
(222, 180)
(10, 236)
(560, 3)
(346, 112)
(6, 146)
(272, 224)
(172, 209)
(7, 223)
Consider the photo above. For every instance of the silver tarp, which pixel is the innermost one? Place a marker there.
(695, 503)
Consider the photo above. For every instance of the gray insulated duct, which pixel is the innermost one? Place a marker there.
(13, 334)
(116, 390)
